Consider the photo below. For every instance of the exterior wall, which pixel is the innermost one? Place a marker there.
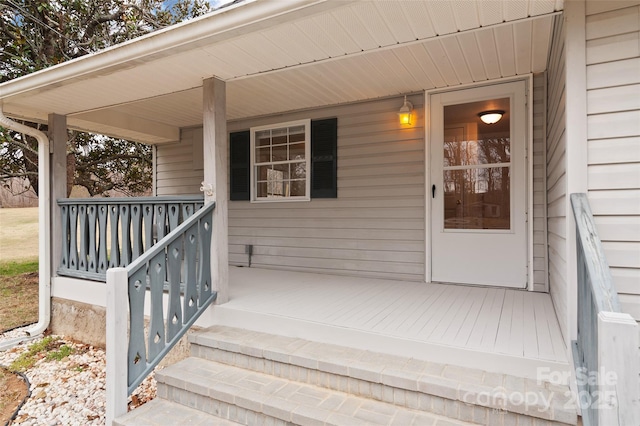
(179, 166)
(375, 228)
(556, 176)
(613, 120)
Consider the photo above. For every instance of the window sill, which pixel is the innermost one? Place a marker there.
(281, 200)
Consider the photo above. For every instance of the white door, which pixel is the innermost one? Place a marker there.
(479, 191)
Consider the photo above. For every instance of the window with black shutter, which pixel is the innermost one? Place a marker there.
(293, 161)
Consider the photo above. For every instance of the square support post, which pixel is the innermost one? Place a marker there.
(618, 401)
(117, 343)
(58, 150)
(216, 174)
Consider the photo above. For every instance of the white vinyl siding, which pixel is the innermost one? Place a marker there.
(540, 282)
(556, 176)
(613, 125)
(179, 165)
(375, 228)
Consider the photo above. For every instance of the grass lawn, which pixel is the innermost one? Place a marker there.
(18, 290)
(18, 267)
(18, 234)
(18, 294)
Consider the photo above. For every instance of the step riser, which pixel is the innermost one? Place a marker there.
(438, 400)
(282, 399)
(217, 408)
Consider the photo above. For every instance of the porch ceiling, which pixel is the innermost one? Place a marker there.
(309, 54)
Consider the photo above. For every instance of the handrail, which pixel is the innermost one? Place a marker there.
(102, 233)
(179, 262)
(607, 341)
(597, 268)
(128, 200)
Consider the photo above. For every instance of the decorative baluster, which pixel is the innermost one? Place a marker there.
(136, 222)
(147, 214)
(204, 266)
(125, 226)
(73, 237)
(64, 210)
(190, 283)
(102, 229)
(174, 310)
(157, 274)
(114, 257)
(187, 211)
(161, 221)
(92, 217)
(84, 238)
(137, 354)
(173, 210)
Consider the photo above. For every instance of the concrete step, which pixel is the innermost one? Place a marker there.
(249, 397)
(161, 412)
(460, 393)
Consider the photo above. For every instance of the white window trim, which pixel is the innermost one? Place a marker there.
(307, 154)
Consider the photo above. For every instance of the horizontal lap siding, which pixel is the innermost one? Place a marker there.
(376, 226)
(539, 186)
(179, 166)
(613, 108)
(556, 175)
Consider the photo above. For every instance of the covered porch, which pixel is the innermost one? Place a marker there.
(494, 329)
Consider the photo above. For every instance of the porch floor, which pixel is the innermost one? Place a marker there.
(503, 330)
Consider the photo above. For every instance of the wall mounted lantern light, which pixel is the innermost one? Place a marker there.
(491, 117)
(405, 112)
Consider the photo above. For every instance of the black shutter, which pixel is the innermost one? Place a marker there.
(324, 158)
(239, 158)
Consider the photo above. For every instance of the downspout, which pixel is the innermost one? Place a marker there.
(44, 215)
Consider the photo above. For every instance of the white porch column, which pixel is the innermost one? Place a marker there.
(215, 173)
(58, 170)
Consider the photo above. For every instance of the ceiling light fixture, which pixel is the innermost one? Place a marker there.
(491, 117)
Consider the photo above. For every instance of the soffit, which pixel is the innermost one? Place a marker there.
(351, 52)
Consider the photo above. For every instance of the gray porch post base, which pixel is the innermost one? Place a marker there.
(215, 174)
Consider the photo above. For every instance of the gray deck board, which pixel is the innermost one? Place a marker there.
(492, 320)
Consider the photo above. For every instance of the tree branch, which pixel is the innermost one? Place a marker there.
(91, 26)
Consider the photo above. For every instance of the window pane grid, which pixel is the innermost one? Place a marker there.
(280, 162)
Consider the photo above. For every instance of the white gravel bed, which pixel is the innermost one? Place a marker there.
(70, 391)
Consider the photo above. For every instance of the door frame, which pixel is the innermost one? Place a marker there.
(528, 80)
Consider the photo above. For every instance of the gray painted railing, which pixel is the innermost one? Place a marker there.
(102, 233)
(179, 262)
(606, 349)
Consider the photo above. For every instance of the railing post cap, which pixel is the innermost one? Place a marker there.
(617, 318)
(114, 272)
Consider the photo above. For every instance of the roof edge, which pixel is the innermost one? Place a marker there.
(224, 23)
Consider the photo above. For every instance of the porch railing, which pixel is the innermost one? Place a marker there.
(606, 352)
(180, 262)
(102, 233)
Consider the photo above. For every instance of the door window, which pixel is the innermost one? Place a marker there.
(477, 166)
